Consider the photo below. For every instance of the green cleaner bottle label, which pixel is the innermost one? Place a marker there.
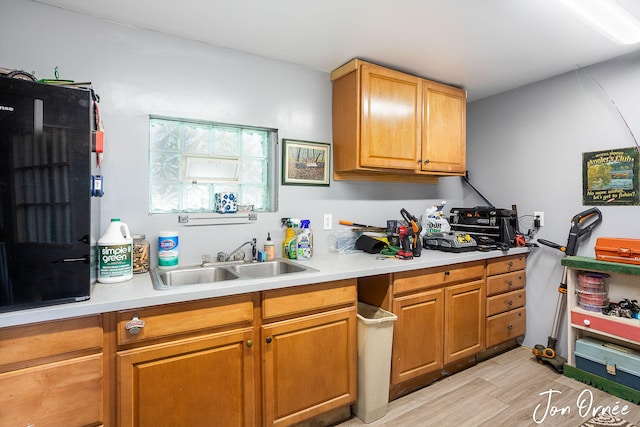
(115, 260)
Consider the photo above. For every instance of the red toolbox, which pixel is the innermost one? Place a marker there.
(617, 249)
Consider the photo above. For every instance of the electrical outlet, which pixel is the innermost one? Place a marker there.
(540, 217)
(328, 221)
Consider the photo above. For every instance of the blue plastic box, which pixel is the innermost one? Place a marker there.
(610, 361)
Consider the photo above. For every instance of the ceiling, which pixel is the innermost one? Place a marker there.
(485, 46)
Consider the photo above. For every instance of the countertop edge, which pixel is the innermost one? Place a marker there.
(138, 292)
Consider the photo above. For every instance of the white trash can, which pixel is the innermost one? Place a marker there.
(375, 337)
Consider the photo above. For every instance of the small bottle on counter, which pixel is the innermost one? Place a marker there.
(141, 257)
(270, 248)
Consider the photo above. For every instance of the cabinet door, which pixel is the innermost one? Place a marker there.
(66, 394)
(310, 366)
(417, 335)
(444, 134)
(390, 128)
(464, 321)
(197, 381)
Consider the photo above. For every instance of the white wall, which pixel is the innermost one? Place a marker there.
(138, 73)
(525, 147)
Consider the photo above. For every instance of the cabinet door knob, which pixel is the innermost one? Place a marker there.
(587, 322)
(268, 340)
(509, 283)
(134, 325)
(510, 302)
(249, 343)
(510, 327)
(426, 161)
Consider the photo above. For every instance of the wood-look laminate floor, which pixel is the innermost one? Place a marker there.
(502, 391)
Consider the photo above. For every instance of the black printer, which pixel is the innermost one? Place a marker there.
(486, 221)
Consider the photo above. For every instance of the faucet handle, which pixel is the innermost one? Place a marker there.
(221, 257)
(207, 259)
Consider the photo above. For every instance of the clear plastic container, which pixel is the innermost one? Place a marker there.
(141, 254)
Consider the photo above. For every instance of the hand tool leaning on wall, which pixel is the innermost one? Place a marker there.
(581, 226)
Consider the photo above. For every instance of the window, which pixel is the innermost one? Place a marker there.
(190, 161)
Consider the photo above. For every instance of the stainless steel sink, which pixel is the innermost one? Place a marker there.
(196, 275)
(193, 275)
(266, 269)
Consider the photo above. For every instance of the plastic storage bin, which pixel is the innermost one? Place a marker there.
(375, 337)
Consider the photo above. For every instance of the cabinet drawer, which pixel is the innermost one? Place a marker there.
(22, 344)
(506, 264)
(408, 281)
(616, 326)
(506, 282)
(505, 326)
(505, 302)
(293, 301)
(183, 318)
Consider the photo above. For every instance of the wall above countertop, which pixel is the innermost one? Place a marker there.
(138, 72)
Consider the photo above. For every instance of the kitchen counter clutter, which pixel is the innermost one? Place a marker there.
(139, 292)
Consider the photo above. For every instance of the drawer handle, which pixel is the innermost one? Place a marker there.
(510, 327)
(587, 322)
(510, 283)
(135, 325)
(510, 302)
(446, 273)
(249, 343)
(268, 340)
(510, 264)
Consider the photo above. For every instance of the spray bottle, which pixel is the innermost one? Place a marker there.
(289, 249)
(304, 241)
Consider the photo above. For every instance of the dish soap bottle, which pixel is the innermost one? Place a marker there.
(304, 241)
(270, 248)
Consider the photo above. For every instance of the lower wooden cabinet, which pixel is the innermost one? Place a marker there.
(309, 351)
(207, 380)
(448, 316)
(464, 320)
(418, 333)
(440, 317)
(188, 364)
(274, 358)
(52, 374)
(308, 366)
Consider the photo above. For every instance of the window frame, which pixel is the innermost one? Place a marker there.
(271, 182)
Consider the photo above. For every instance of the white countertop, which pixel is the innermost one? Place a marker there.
(138, 292)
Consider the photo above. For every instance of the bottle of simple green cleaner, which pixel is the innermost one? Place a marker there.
(304, 241)
(115, 253)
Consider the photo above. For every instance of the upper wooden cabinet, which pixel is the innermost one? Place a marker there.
(444, 146)
(392, 126)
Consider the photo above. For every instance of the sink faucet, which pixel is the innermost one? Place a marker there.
(223, 257)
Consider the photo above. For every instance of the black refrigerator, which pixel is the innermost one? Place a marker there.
(49, 217)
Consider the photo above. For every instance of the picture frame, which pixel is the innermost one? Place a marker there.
(611, 177)
(305, 162)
